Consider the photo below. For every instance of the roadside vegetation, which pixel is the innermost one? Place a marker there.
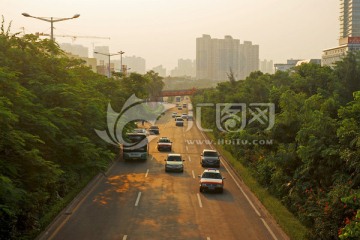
(49, 107)
(313, 164)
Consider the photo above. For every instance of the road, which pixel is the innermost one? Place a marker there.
(138, 200)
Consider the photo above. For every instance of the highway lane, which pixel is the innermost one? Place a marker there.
(138, 200)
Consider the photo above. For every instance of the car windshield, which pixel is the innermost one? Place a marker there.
(210, 154)
(211, 175)
(174, 158)
(154, 127)
(164, 140)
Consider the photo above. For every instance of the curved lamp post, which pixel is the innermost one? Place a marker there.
(51, 20)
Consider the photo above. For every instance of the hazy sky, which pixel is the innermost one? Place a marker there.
(163, 31)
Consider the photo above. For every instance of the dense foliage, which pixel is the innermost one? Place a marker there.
(313, 162)
(49, 107)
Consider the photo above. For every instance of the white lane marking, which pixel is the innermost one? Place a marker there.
(199, 199)
(138, 199)
(207, 238)
(125, 237)
(193, 174)
(187, 149)
(237, 184)
(147, 172)
(243, 192)
(269, 229)
(189, 158)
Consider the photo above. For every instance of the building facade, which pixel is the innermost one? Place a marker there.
(349, 33)
(216, 58)
(160, 70)
(267, 66)
(185, 68)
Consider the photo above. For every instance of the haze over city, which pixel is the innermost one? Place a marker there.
(163, 31)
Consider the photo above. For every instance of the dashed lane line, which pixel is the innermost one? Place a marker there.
(199, 199)
(138, 199)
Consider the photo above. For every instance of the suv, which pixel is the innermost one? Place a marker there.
(164, 144)
(210, 158)
(211, 180)
(174, 162)
(154, 130)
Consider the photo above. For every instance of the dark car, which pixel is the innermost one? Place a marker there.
(154, 130)
(164, 144)
(211, 180)
(210, 158)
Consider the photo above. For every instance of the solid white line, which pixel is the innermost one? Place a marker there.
(138, 199)
(147, 172)
(246, 196)
(187, 149)
(199, 199)
(125, 237)
(189, 158)
(193, 173)
(269, 229)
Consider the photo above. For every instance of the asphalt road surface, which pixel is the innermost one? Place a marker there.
(139, 200)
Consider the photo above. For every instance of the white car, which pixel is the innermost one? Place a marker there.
(184, 116)
(211, 180)
(174, 162)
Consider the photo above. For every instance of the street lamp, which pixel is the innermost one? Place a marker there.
(109, 55)
(51, 20)
(121, 53)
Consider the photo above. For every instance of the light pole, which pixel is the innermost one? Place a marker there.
(109, 55)
(51, 20)
(121, 53)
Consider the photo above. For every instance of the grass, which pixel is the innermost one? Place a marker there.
(287, 221)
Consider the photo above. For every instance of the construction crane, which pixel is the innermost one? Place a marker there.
(73, 37)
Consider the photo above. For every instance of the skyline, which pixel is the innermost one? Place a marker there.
(163, 31)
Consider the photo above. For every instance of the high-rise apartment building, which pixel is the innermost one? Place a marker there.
(349, 33)
(349, 18)
(185, 68)
(267, 66)
(215, 58)
(75, 49)
(133, 63)
(160, 70)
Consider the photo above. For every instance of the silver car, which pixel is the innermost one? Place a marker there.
(174, 163)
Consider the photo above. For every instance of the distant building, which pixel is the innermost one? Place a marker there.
(349, 33)
(215, 58)
(185, 67)
(249, 59)
(290, 63)
(75, 49)
(267, 66)
(90, 62)
(313, 61)
(160, 70)
(133, 64)
(102, 59)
